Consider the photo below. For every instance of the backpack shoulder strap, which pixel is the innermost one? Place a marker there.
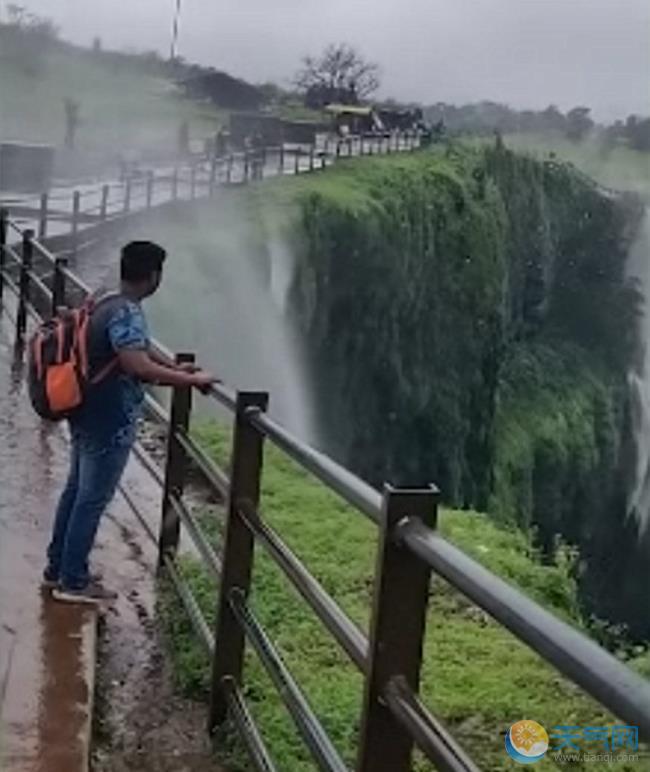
(99, 313)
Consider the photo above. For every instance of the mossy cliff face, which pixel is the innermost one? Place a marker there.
(468, 322)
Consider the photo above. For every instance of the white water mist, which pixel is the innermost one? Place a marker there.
(638, 503)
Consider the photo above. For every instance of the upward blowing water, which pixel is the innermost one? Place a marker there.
(638, 502)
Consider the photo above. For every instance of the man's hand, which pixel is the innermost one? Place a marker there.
(203, 381)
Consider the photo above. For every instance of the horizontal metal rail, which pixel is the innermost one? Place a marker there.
(40, 285)
(335, 476)
(12, 254)
(191, 607)
(149, 464)
(76, 281)
(224, 395)
(325, 754)
(210, 471)
(135, 510)
(348, 635)
(44, 251)
(245, 724)
(429, 734)
(11, 283)
(600, 674)
(156, 410)
(210, 557)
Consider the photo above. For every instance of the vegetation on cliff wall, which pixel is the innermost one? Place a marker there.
(469, 322)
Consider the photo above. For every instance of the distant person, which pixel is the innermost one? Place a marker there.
(183, 139)
(220, 145)
(103, 429)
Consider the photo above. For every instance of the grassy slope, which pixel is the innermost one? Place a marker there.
(477, 677)
(122, 107)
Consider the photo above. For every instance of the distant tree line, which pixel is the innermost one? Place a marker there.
(635, 131)
(576, 124)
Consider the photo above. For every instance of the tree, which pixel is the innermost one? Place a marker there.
(578, 123)
(339, 74)
(26, 39)
(637, 132)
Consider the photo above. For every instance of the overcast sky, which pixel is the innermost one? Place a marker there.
(527, 53)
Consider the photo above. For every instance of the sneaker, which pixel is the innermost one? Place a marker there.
(92, 594)
(50, 581)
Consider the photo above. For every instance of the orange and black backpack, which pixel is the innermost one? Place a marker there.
(59, 372)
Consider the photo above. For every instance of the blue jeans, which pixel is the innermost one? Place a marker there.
(95, 473)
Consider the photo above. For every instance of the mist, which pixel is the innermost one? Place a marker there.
(527, 54)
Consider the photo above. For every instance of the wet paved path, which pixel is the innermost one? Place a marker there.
(47, 650)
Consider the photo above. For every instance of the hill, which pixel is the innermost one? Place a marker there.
(128, 107)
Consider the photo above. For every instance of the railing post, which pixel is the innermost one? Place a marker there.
(175, 466)
(311, 158)
(397, 631)
(4, 216)
(24, 284)
(231, 162)
(76, 208)
(127, 195)
(296, 161)
(150, 180)
(281, 162)
(42, 217)
(246, 166)
(103, 207)
(213, 176)
(245, 480)
(58, 285)
(338, 148)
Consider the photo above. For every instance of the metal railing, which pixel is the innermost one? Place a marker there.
(200, 179)
(388, 655)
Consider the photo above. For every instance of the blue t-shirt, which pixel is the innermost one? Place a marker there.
(111, 408)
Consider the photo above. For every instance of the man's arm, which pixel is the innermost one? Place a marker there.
(144, 367)
(163, 361)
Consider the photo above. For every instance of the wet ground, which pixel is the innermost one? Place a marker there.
(140, 723)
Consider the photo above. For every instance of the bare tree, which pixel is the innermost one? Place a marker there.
(339, 73)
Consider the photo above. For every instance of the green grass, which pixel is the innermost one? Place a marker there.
(476, 676)
(122, 107)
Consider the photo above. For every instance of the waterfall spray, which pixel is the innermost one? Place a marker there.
(638, 502)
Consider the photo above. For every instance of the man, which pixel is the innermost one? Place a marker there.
(104, 428)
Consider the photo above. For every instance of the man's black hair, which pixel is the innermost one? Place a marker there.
(141, 260)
